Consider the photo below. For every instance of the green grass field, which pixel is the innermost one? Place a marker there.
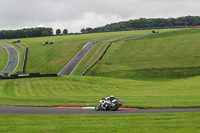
(165, 55)
(159, 71)
(78, 91)
(137, 123)
(52, 58)
(3, 58)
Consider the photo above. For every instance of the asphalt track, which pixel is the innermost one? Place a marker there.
(63, 111)
(68, 69)
(13, 59)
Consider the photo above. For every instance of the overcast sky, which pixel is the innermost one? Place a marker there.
(77, 14)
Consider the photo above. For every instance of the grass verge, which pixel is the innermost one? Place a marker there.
(3, 58)
(137, 123)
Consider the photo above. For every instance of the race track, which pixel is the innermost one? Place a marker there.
(65, 111)
(13, 59)
(68, 69)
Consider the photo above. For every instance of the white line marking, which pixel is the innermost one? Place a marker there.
(88, 108)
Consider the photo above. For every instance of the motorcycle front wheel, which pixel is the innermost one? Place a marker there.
(98, 107)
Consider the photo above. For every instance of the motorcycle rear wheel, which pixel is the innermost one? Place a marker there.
(115, 107)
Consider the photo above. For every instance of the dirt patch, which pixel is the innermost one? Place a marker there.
(108, 64)
(19, 46)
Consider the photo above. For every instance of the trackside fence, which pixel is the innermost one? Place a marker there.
(125, 38)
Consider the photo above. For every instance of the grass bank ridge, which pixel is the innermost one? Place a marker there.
(108, 48)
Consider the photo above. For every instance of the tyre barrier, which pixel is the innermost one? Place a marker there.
(125, 38)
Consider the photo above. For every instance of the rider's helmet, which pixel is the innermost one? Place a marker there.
(112, 97)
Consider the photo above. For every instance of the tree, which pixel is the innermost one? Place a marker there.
(83, 31)
(89, 30)
(45, 33)
(65, 31)
(58, 31)
(96, 30)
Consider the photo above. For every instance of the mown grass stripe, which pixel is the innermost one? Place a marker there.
(77, 91)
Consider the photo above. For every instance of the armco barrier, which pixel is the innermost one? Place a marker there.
(34, 74)
(24, 62)
(125, 38)
(14, 76)
(31, 75)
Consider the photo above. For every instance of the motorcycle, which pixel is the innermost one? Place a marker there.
(109, 105)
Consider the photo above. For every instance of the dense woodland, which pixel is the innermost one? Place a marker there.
(150, 23)
(23, 33)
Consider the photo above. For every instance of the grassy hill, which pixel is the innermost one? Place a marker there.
(154, 57)
(95, 53)
(166, 55)
(52, 58)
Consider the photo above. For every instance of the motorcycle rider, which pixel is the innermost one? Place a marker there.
(108, 100)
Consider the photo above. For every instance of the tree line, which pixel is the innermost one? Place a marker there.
(26, 32)
(136, 24)
(147, 23)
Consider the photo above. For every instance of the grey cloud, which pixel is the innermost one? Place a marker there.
(77, 14)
